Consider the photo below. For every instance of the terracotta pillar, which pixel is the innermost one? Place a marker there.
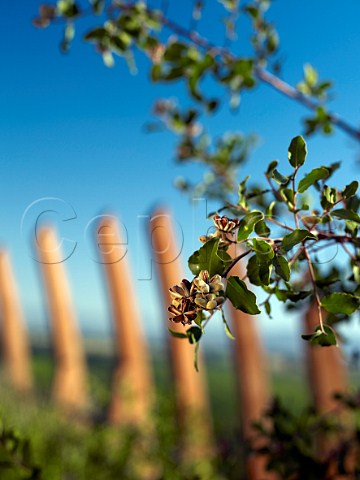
(191, 395)
(132, 392)
(252, 377)
(70, 382)
(326, 368)
(327, 376)
(15, 343)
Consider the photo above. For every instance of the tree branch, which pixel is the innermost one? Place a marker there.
(289, 91)
(234, 262)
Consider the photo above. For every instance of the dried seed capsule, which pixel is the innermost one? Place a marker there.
(211, 305)
(225, 224)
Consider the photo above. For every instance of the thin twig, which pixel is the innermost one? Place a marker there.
(270, 219)
(261, 73)
(282, 225)
(266, 77)
(291, 92)
(294, 193)
(316, 293)
(234, 262)
(353, 257)
(296, 255)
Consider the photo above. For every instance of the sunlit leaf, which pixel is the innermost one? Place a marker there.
(297, 152)
(209, 258)
(317, 174)
(240, 296)
(194, 334)
(339, 302)
(350, 190)
(177, 334)
(226, 326)
(282, 267)
(296, 237)
(345, 214)
(247, 224)
(279, 178)
(326, 339)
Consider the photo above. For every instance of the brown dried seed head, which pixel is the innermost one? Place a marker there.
(225, 224)
(204, 276)
(156, 53)
(220, 300)
(201, 302)
(201, 285)
(211, 305)
(185, 311)
(184, 290)
(176, 292)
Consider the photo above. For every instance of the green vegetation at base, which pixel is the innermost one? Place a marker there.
(71, 449)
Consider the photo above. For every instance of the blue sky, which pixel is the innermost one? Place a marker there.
(72, 129)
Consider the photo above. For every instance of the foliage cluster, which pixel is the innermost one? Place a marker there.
(283, 232)
(40, 444)
(277, 247)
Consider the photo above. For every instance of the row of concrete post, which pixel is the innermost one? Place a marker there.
(133, 390)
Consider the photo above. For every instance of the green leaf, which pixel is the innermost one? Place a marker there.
(252, 270)
(208, 258)
(279, 178)
(317, 174)
(241, 298)
(230, 5)
(356, 271)
(339, 302)
(285, 295)
(193, 334)
(67, 8)
(264, 251)
(242, 193)
(98, 6)
(282, 267)
(310, 74)
(295, 237)
(297, 152)
(350, 190)
(156, 72)
(262, 230)
(108, 59)
(265, 273)
(268, 308)
(330, 194)
(270, 209)
(196, 356)
(289, 197)
(345, 214)
(252, 11)
(247, 224)
(177, 334)
(97, 34)
(226, 326)
(175, 51)
(196, 74)
(264, 256)
(271, 167)
(199, 319)
(326, 339)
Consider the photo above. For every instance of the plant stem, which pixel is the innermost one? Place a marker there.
(316, 293)
(234, 262)
(284, 88)
(225, 55)
(294, 193)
